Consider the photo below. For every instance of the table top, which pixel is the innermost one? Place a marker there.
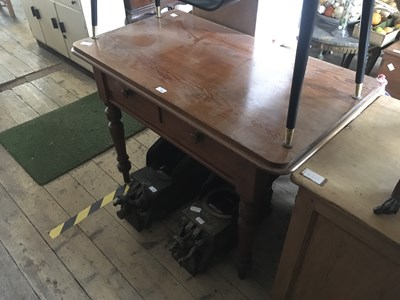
(233, 87)
(362, 166)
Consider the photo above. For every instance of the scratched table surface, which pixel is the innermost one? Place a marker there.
(233, 86)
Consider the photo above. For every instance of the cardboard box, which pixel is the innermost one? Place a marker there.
(376, 38)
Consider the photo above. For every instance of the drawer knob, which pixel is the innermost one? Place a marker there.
(73, 2)
(126, 92)
(196, 136)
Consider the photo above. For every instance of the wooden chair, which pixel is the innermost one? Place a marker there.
(7, 3)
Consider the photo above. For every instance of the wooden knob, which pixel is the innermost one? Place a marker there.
(126, 92)
(196, 136)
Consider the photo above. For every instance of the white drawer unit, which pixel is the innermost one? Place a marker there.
(59, 23)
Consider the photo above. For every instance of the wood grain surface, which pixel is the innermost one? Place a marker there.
(222, 80)
(370, 146)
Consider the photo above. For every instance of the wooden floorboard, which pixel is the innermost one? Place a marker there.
(103, 257)
(45, 272)
(31, 59)
(16, 108)
(13, 284)
(35, 98)
(5, 75)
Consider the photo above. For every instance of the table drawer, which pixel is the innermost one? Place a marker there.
(133, 103)
(209, 151)
(212, 153)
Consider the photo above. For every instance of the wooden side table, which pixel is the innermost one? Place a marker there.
(336, 247)
(8, 4)
(213, 93)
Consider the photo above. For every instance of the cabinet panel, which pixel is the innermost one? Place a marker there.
(51, 27)
(34, 23)
(75, 29)
(59, 23)
(338, 265)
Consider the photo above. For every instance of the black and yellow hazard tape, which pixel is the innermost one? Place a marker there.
(83, 214)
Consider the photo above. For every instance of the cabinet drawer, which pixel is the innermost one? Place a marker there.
(210, 152)
(133, 103)
(74, 4)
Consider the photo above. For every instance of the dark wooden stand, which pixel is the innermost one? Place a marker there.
(224, 103)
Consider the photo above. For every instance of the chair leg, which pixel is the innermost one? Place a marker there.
(10, 8)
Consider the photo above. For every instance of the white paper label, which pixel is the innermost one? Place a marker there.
(396, 50)
(161, 90)
(318, 179)
(390, 67)
(195, 209)
(86, 43)
(173, 15)
(153, 189)
(199, 220)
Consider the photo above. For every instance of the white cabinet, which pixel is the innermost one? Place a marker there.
(33, 16)
(59, 23)
(74, 29)
(51, 26)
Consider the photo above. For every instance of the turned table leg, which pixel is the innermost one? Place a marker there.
(255, 203)
(118, 136)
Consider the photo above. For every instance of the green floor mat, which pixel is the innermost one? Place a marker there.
(55, 143)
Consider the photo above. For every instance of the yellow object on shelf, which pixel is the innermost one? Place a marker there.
(381, 37)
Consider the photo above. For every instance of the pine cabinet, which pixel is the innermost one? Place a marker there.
(57, 24)
(34, 17)
(336, 248)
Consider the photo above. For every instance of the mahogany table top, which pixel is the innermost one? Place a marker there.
(227, 83)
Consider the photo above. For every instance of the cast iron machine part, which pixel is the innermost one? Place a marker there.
(169, 179)
(208, 228)
(391, 205)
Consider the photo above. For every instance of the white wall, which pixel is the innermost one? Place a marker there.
(278, 20)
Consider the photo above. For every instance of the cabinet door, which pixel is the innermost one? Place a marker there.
(338, 264)
(51, 26)
(33, 16)
(75, 29)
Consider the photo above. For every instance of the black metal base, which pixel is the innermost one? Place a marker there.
(169, 180)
